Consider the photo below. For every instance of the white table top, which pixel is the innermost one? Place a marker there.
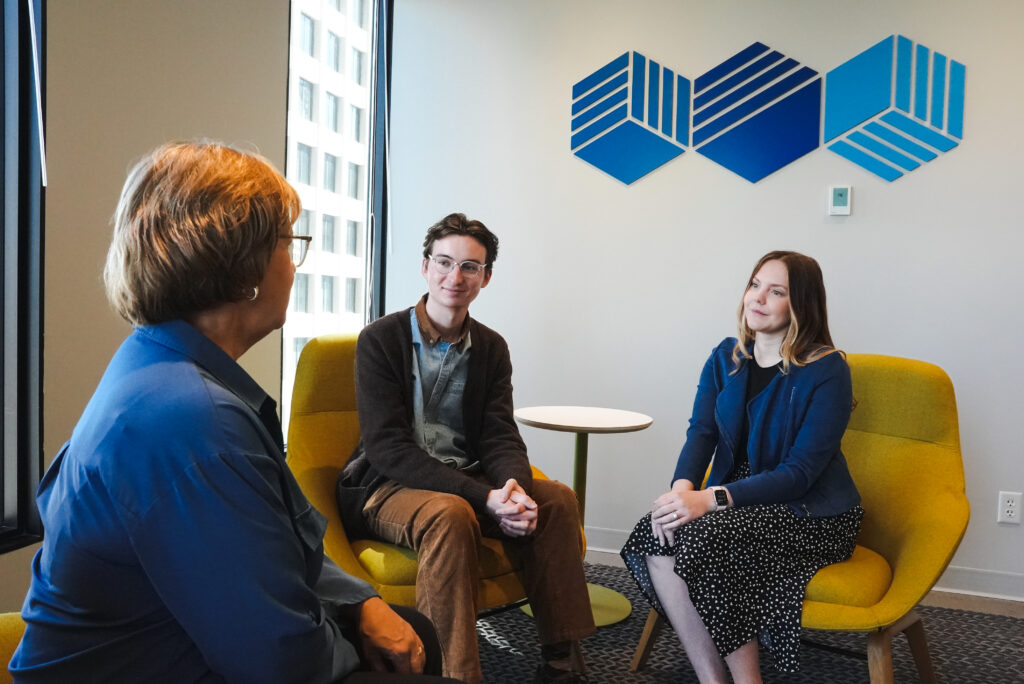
(582, 419)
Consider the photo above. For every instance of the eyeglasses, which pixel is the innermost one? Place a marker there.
(445, 265)
(298, 248)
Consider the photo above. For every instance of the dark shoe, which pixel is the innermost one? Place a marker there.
(546, 673)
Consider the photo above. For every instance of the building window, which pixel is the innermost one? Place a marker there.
(300, 293)
(337, 5)
(297, 344)
(330, 172)
(359, 12)
(308, 30)
(328, 233)
(355, 180)
(333, 51)
(302, 223)
(352, 290)
(21, 166)
(357, 65)
(306, 99)
(352, 238)
(332, 117)
(304, 163)
(327, 293)
(355, 117)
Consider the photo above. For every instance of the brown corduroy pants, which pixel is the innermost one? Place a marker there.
(445, 531)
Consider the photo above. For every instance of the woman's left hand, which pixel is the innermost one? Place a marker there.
(676, 508)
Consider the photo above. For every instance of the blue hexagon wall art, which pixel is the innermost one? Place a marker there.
(894, 106)
(756, 112)
(630, 116)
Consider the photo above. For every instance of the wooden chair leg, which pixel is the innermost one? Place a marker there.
(880, 650)
(919, 649)
(880, 656)
(643, 648)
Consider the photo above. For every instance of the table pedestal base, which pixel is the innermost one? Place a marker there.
(608, 605)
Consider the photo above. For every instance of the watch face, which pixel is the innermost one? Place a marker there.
(721, 497)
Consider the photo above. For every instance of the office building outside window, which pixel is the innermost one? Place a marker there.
(328, 233)
(357, 63)
(308, 35)
(306, 99)
(355, 117)
(332, 115)
(300, 293)
(327, 293)
(302, 223)
(330, 172)
(355, 180)
(332, 41)
(333, 51)
(353, 287)
(304, 164)
(352, 233)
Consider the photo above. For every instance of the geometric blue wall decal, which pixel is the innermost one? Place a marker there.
(756, 112)
(894, 106)
(889, 110)
(630, 116)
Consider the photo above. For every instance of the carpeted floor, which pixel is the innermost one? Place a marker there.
(966, 647)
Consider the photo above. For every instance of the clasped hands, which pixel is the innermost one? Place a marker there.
(677, 507)
(513, 508)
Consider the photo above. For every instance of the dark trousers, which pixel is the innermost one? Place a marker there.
(425, 630)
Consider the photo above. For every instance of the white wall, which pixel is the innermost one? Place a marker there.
(123, 77)
(613, 295)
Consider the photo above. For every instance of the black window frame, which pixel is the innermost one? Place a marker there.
(378, 175)
(23, 81)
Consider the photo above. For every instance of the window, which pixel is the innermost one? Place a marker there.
(352, 238)
(330, 172)
(333, 114)
(359, 12)
(304, 164)
(297, 344)
(300, 293)
(22, 286)
(355, 174)
(333, 51)
(308, 35)
(355, 118)
(302, 223)
(327, 293)
(348, 223)
(306, 99)
(352, 290)
(356, 67)
(328, 233)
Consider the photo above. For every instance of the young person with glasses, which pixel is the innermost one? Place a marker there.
(442, 463)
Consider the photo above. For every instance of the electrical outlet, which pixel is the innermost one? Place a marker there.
(1009, 508)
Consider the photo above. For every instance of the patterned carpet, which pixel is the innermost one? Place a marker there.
(966, 647)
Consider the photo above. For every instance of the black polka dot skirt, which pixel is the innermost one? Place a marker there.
(747, 569)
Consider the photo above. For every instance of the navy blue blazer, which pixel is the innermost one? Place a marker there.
(793, 444)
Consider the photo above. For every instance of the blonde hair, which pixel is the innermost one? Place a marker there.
(808, 338)
(194, 228)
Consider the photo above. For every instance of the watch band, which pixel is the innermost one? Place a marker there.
(721, 498)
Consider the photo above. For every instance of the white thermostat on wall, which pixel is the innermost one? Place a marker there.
(839, 200)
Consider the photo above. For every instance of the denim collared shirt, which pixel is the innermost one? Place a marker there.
(439, 381)
(179, 547)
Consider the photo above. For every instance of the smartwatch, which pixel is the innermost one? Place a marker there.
(721, 498)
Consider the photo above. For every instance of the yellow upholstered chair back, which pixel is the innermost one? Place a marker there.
(323, 431)
(903, 449)
(11, 629)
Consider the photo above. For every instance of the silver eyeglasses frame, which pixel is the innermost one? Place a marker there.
(474, 270)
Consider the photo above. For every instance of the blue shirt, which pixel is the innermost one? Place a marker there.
(439, 373)
(178, 545)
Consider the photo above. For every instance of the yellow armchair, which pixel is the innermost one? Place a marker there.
(11, 629)
(322, 433)
(903, 449)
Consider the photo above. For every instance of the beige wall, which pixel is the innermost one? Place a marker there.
(613, 296)
(122, 77)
